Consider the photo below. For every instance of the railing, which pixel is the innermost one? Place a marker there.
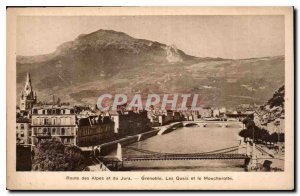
(184, 157)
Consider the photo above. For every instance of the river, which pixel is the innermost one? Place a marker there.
(188, 140)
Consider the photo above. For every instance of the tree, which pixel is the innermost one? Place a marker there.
(254, 132)
(281, 137)
(265, 136)
(274, 138)
(52, 155)
(244, 133)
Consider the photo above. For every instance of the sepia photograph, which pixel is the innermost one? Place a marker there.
(142, 93)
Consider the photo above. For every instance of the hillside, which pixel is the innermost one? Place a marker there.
(113, 62)
(272, 112)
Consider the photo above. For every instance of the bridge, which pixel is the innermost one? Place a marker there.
(218, 123)
(240, 152)
(253, 156)
(229, 153)
(225, 153)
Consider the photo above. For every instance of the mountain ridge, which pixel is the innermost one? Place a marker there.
(107, 61)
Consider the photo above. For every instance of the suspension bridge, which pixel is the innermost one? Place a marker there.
(234, 152)
(226, 153)
(240, 152)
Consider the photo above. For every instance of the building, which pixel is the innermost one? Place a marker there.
(216, 113)
(159, 118)
(239, 116)
(155, 117)
(95, 130)
(28, 96)
(222, 112)
(205, 112)
(130, 122)
(23, 131)
(54, 121)
(188, 115)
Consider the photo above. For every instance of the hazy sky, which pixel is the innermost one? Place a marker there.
(203, 36)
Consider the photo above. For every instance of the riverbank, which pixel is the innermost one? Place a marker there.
(108, 147)
(277, 158)
(169, 128)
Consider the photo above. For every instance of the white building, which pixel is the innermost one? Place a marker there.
(52, 121)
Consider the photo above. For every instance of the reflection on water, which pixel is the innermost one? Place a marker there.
(188, 140)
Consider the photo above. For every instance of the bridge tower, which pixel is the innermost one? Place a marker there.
(251, 161)
(248, 153)
(119, 152)
(253, 156)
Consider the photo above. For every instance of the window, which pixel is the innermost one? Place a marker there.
(58, 121)
(41, 121)
(53, 131)
(68, 121)
(62, 121)
(72, 121)
(54, 121)
(63, 131)
(72, 131)
(22, 126)
(48, 121)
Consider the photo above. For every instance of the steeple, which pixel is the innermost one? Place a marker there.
(28, 96)
(28, 87)
(28, 80)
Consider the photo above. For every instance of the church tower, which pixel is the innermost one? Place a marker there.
(28, 96)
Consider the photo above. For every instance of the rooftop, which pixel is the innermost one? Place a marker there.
(53, 107)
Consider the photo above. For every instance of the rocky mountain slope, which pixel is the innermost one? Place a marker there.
(107, 61)
(272, 113)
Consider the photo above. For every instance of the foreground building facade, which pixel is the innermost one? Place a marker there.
(53, 121)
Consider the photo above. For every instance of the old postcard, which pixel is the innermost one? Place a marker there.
(150, 98)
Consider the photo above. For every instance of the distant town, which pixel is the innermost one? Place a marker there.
(88, 128)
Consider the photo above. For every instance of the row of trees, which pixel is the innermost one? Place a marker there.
(258, 134)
